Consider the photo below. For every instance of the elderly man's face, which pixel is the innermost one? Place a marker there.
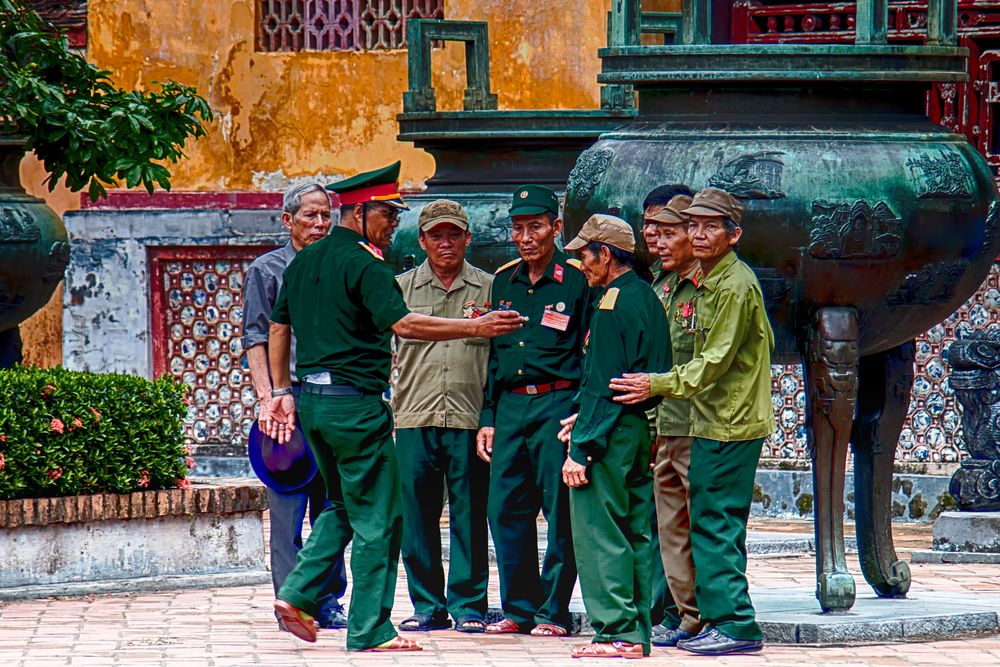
(673, 246)
(445, 246)
(535, 236)
(311, 222)
(650, 232)
(382, 220)
(709, 237)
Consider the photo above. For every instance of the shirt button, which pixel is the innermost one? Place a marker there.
(531, 291)
(445, 369)
(520, 372)
(521, 343)
(590, 458)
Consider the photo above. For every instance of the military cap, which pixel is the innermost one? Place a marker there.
(378, 185)
(672, 213)
(443, 211)
(715, 202)
(604, 229)
(532, 200)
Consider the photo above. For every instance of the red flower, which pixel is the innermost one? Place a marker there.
(54, 474)
(97, 415)
(186, 450)
(143, 478)
(189, 462)
(3, 461)
(3, 438)
(183, 484)
(188, 402)
(56, 425)
(48, 390)
(76, 424)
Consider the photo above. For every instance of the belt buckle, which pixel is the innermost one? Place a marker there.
(531, 389)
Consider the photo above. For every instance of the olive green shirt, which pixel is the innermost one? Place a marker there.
(440, 383)
(729, 378)
(537, 354)
(342, 300)
(673, 415)
(628, 334)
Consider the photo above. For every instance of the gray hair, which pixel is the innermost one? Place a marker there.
(292, 201)
(730, 226)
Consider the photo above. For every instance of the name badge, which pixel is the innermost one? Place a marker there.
(555, 320)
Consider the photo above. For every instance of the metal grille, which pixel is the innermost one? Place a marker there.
(933, 429)
(197, 313)
(339, 25)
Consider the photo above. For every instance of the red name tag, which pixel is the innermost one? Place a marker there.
(554, 320)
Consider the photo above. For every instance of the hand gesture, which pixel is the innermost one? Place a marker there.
(484, 443)
(574, 475)
(567, 428)
(277, 418)
(499, 322)
(631, 388)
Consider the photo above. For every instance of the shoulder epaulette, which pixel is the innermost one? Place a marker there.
(575, 263)
(609, 299)
(513, 262)
(375, 252)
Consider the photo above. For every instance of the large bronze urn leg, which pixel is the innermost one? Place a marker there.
(883, 400)
(831, 368)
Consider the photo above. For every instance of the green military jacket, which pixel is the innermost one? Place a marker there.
(342, 300)
(628, 334)
(440, 383)
(673, 415)
(536, 353)
(729, 378)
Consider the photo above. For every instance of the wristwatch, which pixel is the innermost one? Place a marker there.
(284, 391)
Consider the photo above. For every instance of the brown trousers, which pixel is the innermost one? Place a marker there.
(671, 489)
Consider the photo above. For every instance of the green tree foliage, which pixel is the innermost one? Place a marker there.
(77, 121)
(68, 432)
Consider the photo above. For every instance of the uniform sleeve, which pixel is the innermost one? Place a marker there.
(487, 416)
(259, 293)
(717, 354)
(280, 312)
(381, 296)
(609, 357)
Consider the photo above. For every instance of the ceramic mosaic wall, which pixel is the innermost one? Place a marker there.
(932, 432)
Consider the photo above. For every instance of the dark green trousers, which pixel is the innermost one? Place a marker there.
(611, 533)
(351, 438)
(525, 477)
(721, 477)
(429, 459)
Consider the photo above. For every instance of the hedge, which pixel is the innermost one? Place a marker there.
(68, 432)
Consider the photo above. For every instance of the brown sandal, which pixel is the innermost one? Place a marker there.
(597, 650)
(504, 627)
(395, 645)
(549, 630)
(296, 621)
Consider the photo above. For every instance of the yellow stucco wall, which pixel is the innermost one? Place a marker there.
(333, 112)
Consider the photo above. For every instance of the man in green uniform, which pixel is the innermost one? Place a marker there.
(729, 384)
(663, 612)
(436, 399)
(344, 304)
(673, 424)
(532, 378)
(608, 463)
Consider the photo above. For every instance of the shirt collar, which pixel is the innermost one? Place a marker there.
(694, 275)
(714, 279)
(521, 272)
(288, 253)
(623, 279)
(424, 274)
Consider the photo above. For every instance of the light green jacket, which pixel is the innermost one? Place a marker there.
(729, 378)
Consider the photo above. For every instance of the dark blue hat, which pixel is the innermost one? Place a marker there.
(286, 468)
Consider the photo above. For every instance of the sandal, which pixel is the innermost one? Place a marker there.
(504, 627)
(549, 630)
(424, 623)
(470, 624)
(299, 623)
(627, 650)
(597, 650)
(395, 645)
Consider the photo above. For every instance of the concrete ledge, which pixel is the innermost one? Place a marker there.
(138, 585)
(956, 557)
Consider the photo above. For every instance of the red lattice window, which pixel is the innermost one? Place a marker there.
(339, 25)
(196, 323)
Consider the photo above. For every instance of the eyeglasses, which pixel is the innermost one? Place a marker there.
(391, 213)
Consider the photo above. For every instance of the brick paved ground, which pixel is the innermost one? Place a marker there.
(234, 626)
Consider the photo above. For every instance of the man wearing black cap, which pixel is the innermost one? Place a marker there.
(344, 304)
(306, 215)
(532, 378)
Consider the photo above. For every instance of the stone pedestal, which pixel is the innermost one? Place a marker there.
(964, 537)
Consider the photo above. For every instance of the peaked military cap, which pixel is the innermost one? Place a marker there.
(717, 203)
(604, 229)
(532, 200)
(379, 185)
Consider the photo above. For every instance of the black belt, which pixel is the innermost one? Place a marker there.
(332, 390)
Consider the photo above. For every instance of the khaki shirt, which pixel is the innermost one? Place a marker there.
(673, 415)
(729, 378)
(441, 383)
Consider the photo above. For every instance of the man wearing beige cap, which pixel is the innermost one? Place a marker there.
(728, 382)
(607, 468)
(675, 290)
(437, 398)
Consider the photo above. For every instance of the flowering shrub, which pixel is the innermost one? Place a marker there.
(66, 432)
